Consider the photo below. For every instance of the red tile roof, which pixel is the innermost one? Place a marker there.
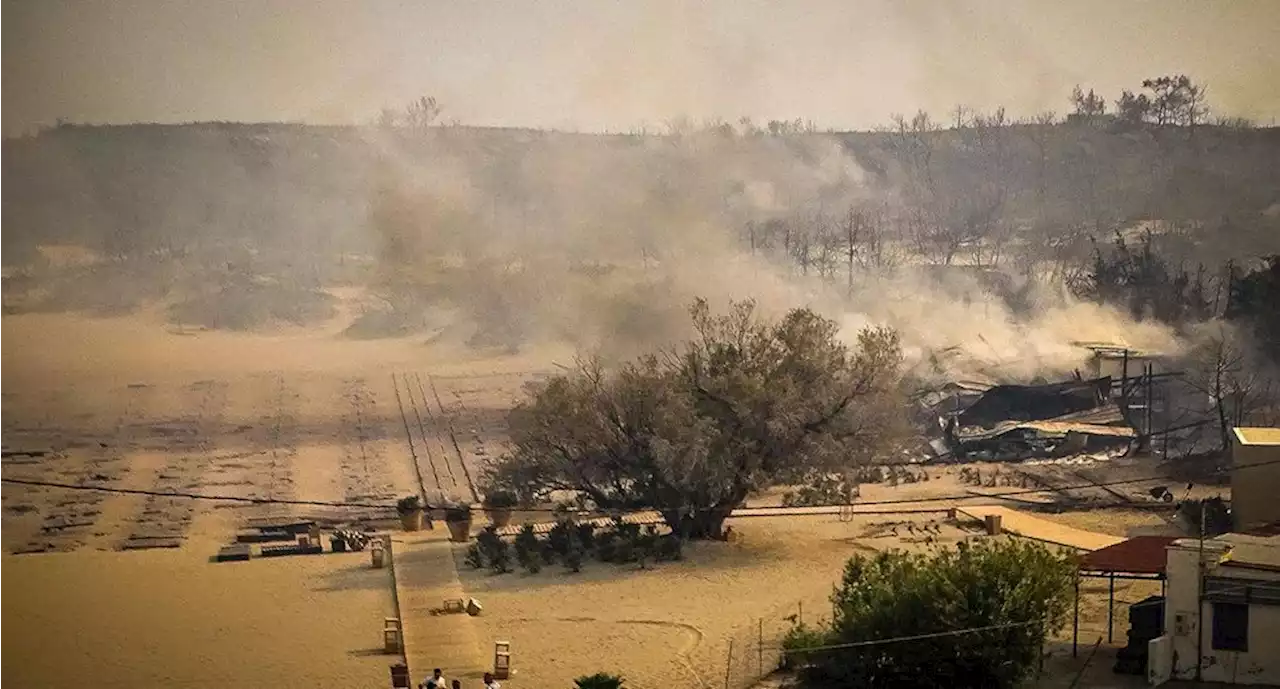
(1137, 555)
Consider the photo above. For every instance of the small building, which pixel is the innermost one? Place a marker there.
(1222, 612)
(1255, 477)
(1119, 361)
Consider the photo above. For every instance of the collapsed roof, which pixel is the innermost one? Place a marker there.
(1019, 421)
(1004, 403)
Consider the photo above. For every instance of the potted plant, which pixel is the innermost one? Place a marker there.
(458, 518)
(498, 505)
(410, 510)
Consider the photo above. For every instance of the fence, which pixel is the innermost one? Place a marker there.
(754, 650)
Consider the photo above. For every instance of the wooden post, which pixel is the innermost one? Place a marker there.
(760, 651)
(1111, 604)
(728, 664)
(1075, 622)
(1151, 373)
(800, 613)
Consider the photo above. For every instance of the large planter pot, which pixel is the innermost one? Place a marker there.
(460, 530)
(411, 521)
(498, 516)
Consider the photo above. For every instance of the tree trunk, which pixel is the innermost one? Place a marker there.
(704, 524)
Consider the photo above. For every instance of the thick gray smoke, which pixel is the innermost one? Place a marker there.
(602, 243)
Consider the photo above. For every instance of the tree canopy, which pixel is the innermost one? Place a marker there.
(745, 404)
(1020, 587)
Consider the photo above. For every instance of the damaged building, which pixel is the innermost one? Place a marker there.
(1011, 422)
(1119, 407)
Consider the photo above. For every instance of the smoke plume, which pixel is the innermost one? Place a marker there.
(602, 243)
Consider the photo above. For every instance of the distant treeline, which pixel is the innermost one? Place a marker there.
(976, 193)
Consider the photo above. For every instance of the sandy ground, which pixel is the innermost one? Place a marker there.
(172, 619)
(123, 403)
(126, 403)
(672, 624)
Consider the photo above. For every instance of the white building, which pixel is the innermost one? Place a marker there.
(1222, 612)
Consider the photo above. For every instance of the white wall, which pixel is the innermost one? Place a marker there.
(1259, 665)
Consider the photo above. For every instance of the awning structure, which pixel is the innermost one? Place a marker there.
(1137, 558)
(1140, 555)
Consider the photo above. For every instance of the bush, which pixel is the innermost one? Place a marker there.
(823, 490)
(559, 536)
(801, 636)
(494, 550)
(573, 558)
(408, 504)
(474, 556)
(979, 584)
(457, 513)
(669, 548)
(599, 680)
(527, 548)
(607, 546)
(646, 544)
(500, 558)
(625, 547)
(586, 533)
(500, 500)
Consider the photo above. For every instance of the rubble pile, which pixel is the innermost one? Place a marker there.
(1015, 422)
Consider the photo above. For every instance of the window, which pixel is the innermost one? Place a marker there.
(1230, 627)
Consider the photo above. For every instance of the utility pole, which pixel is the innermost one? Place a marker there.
(1200, 598)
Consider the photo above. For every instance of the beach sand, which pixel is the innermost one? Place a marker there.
(172, 619)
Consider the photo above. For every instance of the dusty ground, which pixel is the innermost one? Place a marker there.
(128, 403)
(562, 625)
(670, 625)
(170, 618)
(124, 403)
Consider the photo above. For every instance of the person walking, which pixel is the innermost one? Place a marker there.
(435, 681)
(489, 682)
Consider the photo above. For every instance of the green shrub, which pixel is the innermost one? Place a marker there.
(500, 558)
(573, 558)
(559, 536)
(669, 548)
(646, 545)
(586, 534)
(607, 546)
(528, 547)
(600, 680)
(500, 500)
(802, 636)
(457, 513)
(494, 550)
(823, 489)
(408, 504)
(978, 584)
(474, 557)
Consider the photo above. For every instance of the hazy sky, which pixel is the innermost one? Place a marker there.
(598, 64)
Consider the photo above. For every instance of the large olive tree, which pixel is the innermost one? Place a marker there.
(746, 403)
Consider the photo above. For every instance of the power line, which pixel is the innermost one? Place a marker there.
(914, 637)
(760, 509)
(195, 496)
